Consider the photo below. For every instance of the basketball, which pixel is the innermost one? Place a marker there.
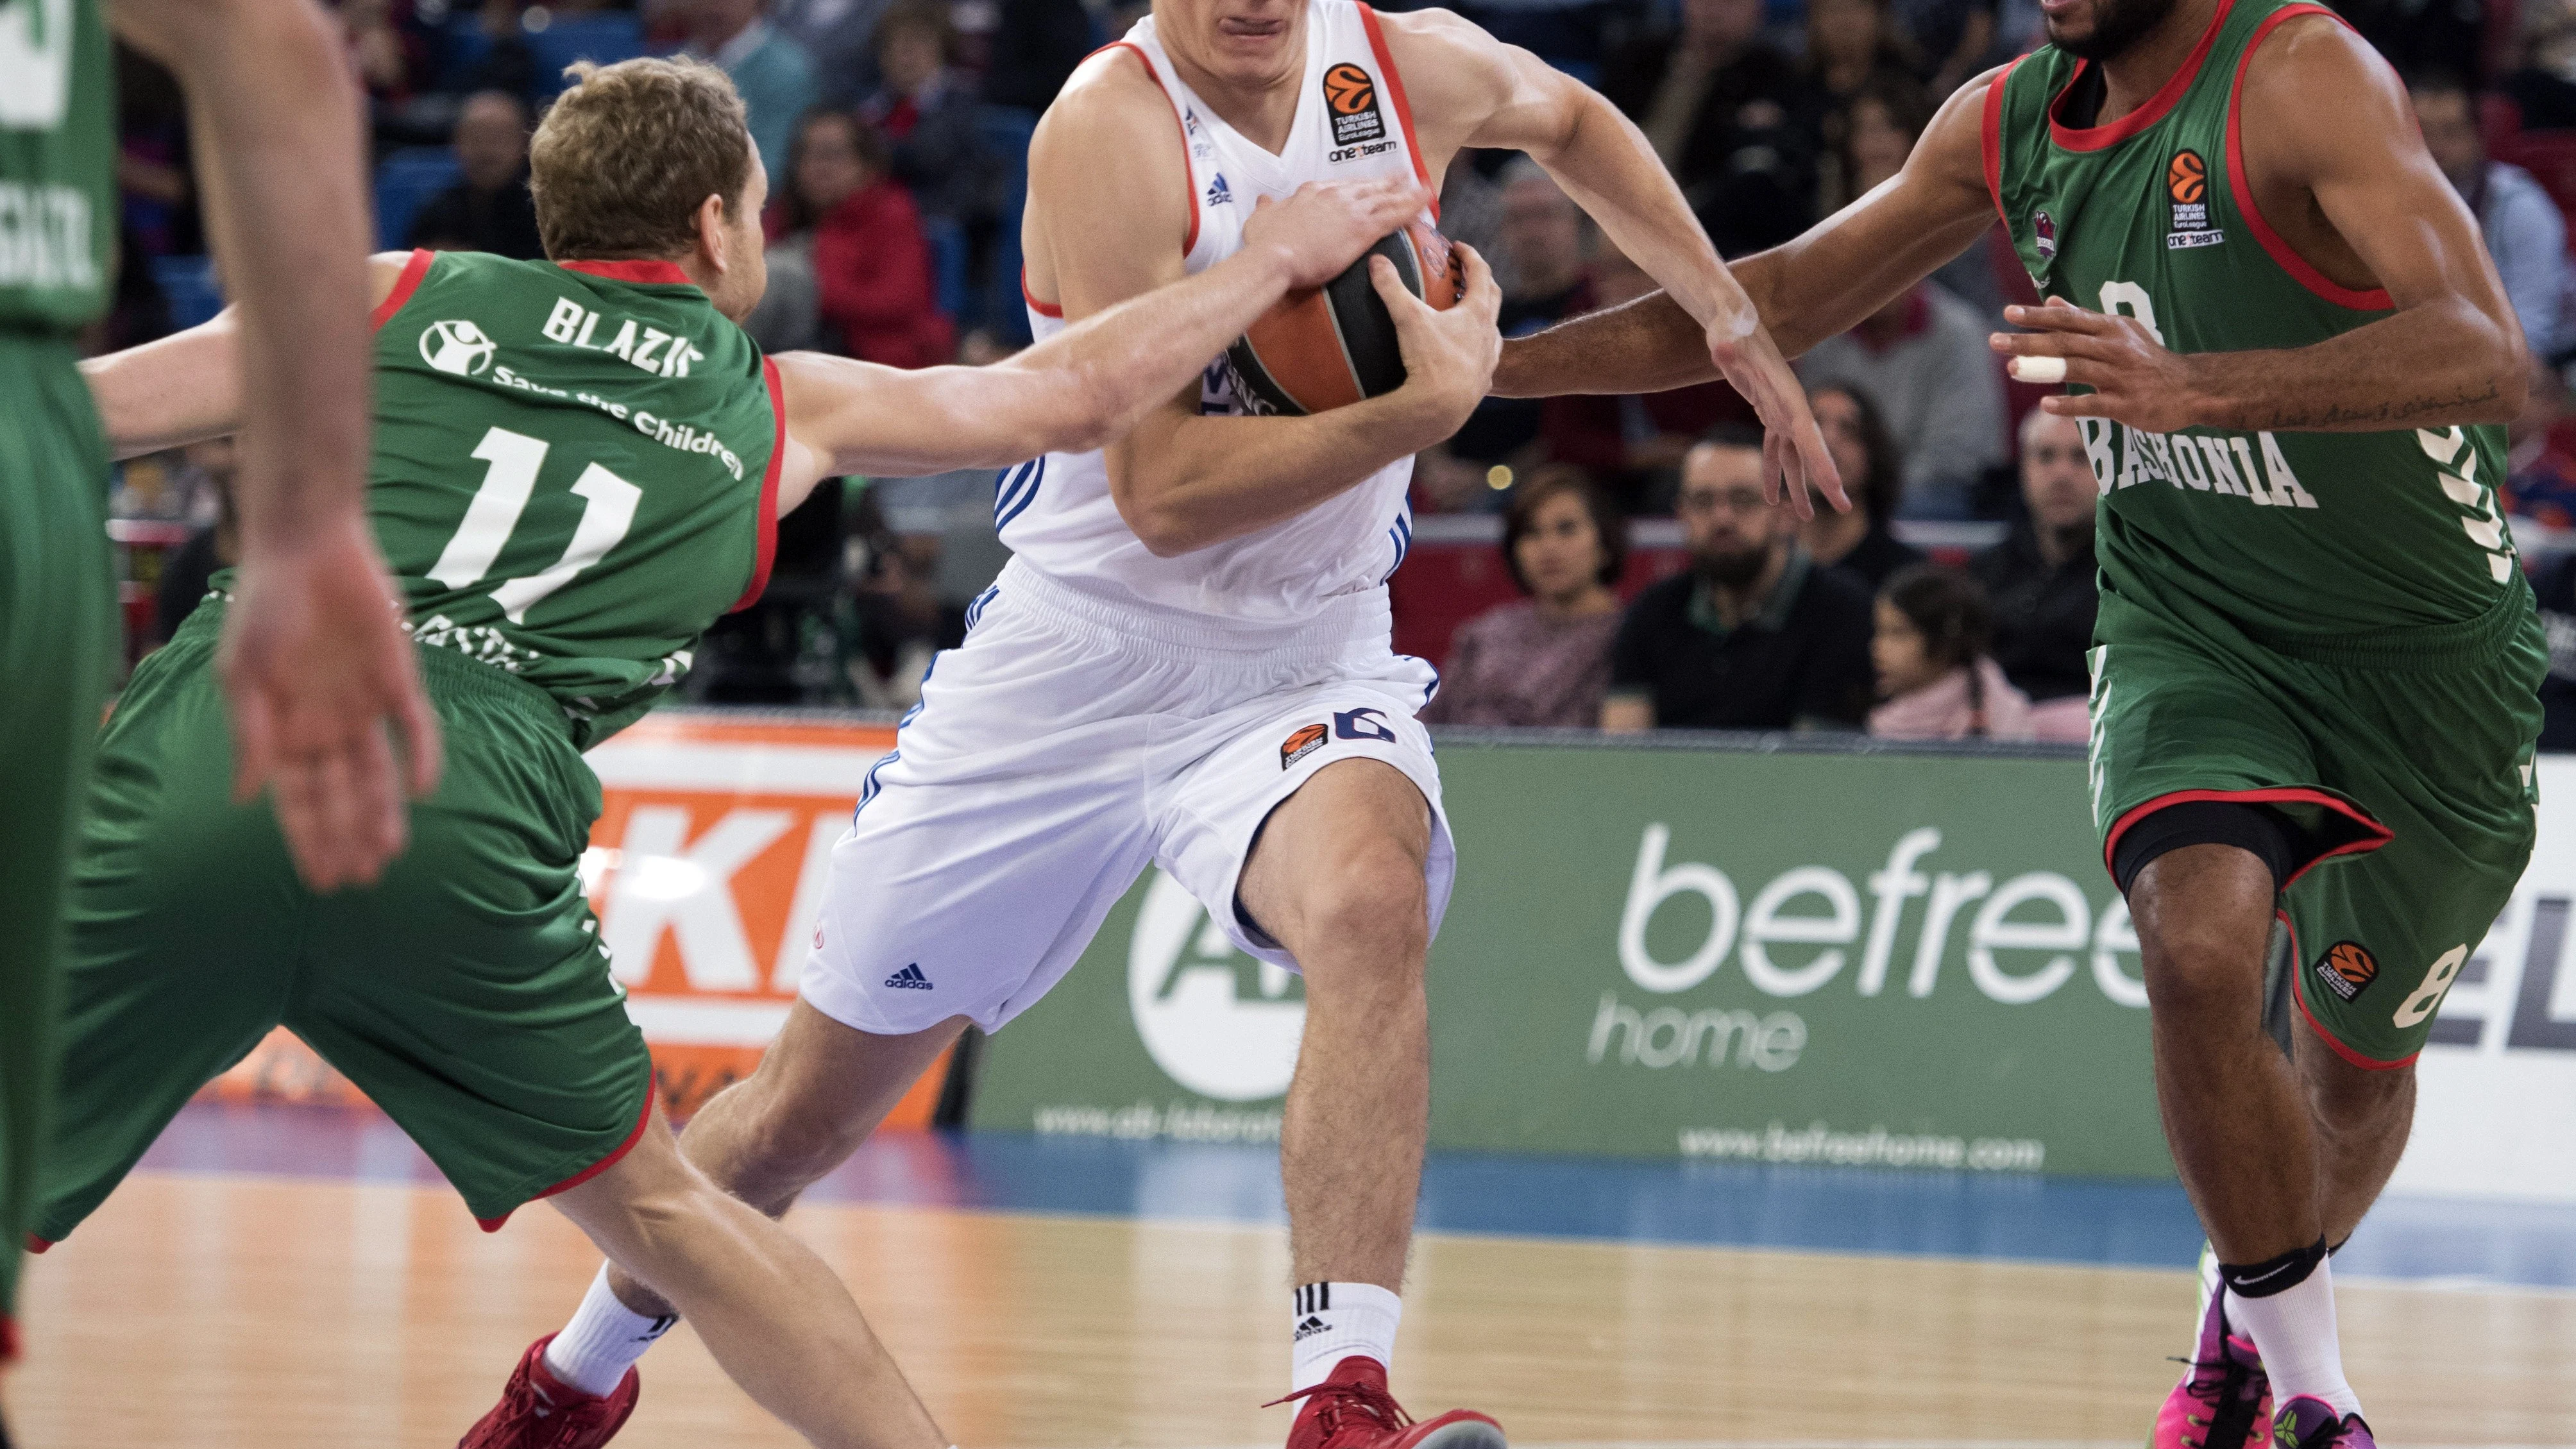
(1331, 347)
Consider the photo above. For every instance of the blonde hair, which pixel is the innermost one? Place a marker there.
(624, 158)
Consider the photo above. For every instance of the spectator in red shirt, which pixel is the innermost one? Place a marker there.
(872, 275)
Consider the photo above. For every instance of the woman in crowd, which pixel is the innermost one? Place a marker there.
(1852, 45)
(1546, 659)
(1934, 674)
(872, 276)
(1865, 454)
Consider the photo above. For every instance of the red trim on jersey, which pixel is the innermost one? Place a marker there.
(767, 549)
(629, 271)
(1047, 309)
(36, 1244)
(642, 1120)
(2377, 834)
(2095, 138)
(1189, 242)
(1994, 140)
(404, 285)
(1403, 107)
(8, 1339)
(2299, 994)
(2373, 300)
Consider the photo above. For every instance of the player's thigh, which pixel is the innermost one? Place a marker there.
(56, 647)
(184, 918)
(468, 993)
(1379, 833)
(965, 890)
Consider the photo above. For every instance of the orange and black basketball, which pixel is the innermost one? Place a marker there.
(1316, 351)
(2353, 964)
(2187, 178)
(1349, 89)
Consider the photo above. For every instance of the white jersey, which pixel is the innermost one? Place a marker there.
(1055, 513)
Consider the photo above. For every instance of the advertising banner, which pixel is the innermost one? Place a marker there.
(1867, 959)
(706, 869)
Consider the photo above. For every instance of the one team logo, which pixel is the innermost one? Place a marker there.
(2187, 188)
(1351, 93)
(458, 348)
(2347, 970)
(1306, 741)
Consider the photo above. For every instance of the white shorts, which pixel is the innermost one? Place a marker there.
(1068, 744)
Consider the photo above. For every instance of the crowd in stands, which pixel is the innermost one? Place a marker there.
(1955, 600)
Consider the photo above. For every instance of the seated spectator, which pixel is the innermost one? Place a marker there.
(1546, 659)
(768, 66)
(1852, 46)
(1543, 234)
(2543, 86)
(1724, 108)
(1934, 674)
(2040, 579)
(2523, 229)
(489, 208)
(872, 278)
(1634, 443)
(1858, 542)
(2556, 588)
(1879, 129)
(1755, 636)
(840, 37)
(1924, 359)
(927, 113)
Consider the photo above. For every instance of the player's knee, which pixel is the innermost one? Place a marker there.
(2346, 1100)
(1372, 906)
(2192, 962)
(795, 1140)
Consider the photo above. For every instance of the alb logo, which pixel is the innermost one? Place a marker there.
(909, 979)
(457, 348)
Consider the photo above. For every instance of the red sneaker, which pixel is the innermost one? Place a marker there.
(1353, 1410)
(539, 1411)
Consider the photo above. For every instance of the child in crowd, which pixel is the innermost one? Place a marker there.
(1934, 675)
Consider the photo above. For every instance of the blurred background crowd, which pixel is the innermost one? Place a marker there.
(1582, 562)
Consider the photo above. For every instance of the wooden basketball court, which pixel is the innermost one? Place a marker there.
(230, 1311)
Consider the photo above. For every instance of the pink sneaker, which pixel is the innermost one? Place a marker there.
(2224, 1400)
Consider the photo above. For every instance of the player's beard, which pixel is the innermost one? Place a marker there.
(2117, 25)
(1735, 568)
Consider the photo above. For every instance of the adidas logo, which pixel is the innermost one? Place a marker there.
(1308, 1329)
(909, 979)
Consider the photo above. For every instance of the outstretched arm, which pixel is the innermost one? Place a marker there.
(1473, 90)
(2324, 117)
(1843, 269)
(314, 660)
(1089, 384)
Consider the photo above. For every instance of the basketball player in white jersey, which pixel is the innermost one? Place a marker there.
(1187, 662)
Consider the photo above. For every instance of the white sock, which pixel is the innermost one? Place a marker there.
(603, 1341)
(1332, 1321)
(2294, 1330)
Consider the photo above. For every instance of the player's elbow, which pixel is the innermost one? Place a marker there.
(1148, 514)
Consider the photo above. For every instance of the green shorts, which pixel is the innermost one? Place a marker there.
(467, 993)
(2404, 762)
(57, 646)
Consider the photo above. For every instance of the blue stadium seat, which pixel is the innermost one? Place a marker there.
(947, 264)
(189, 284)
(606, 38)
(1007, 130)
(461, 47)
(405, 182)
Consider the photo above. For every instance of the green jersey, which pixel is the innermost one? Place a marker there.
(2287, 535)
(574, 473)
(57, 165)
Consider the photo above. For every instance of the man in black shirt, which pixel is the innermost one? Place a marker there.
(489, 208)
(2040, 578)
(1756, 636)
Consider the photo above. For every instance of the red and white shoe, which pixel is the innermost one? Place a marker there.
(1353, 1410)
(539, 1411)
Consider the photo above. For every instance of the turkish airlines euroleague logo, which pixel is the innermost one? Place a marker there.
(2346, 969)
(2187, 178)
(1351, 93)
(2187, 187)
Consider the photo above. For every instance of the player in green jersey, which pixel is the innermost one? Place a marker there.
(316, 664)
(578, 466)
(2316, 658)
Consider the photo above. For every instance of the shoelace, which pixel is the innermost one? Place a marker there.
(1332, 1399)
(2218, 1383)
(564, 1423)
